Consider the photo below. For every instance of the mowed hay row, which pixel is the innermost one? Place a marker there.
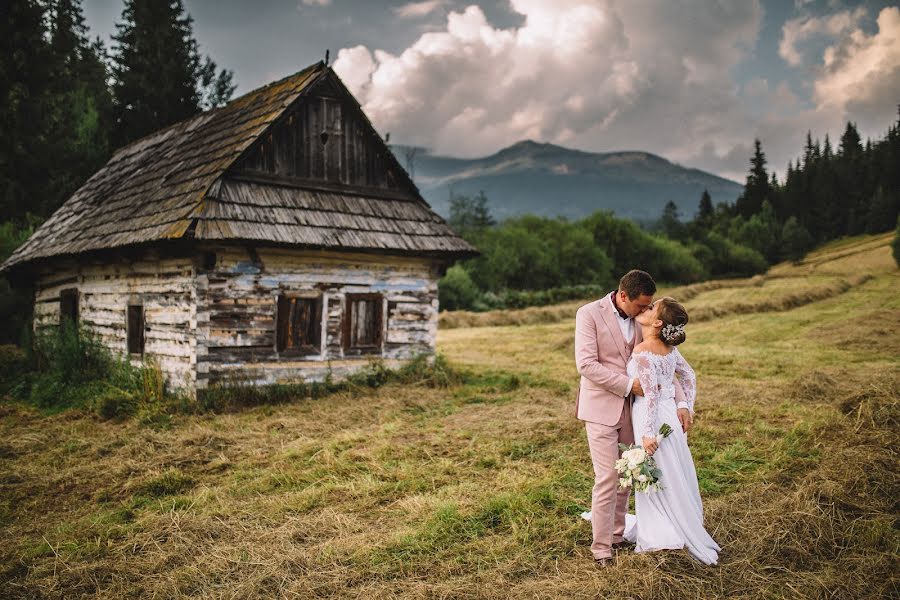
(768, 296)
(702, 311)
(537, 315)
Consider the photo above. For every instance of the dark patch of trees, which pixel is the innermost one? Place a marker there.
(67, 105)
(826, 194)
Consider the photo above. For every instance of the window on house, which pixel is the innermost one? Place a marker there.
(68, 306)
(363, 323)
(299, 324)
(135, 329)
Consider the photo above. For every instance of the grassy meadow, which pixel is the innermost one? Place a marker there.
(471, 485)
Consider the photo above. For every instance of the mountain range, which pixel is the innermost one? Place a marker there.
(549, 180)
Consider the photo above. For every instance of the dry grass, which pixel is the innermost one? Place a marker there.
(474, 490)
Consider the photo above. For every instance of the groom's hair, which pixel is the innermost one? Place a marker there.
(637, 283)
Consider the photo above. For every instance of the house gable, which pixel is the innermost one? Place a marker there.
(324, 139)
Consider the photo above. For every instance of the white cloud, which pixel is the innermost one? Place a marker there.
(599, 75)
(415, 10)
(314, 3)
(801, 29)
(860, 74)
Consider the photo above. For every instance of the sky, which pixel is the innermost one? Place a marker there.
(695, 81)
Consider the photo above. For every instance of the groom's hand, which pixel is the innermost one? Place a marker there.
(684, 415)
(636, 388)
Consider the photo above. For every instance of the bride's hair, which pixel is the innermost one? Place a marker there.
(674, 317)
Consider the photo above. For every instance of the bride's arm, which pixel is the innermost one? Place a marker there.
(647, 375)
(687, 380)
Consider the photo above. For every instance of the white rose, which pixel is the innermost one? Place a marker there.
(642, 478)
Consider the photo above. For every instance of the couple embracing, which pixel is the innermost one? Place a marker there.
(634, 380)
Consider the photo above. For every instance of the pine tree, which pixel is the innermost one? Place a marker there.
(159, 77)
(81, 101)
(670, 222)
(24, 108)
(705, 210)
(756, 190)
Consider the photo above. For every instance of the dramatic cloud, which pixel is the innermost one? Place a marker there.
(860, 75)
(414, 10)
(801, 29)
(600, 75)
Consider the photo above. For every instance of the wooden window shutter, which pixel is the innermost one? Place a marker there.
(68, 306)
(135, 329)
(299, 324)
(363, 323)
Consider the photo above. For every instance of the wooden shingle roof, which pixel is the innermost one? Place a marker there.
(170, 185)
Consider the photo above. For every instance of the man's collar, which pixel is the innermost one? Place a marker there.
(612, 298)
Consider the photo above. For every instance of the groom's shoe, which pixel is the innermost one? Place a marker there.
(602, 563)
(623, 545)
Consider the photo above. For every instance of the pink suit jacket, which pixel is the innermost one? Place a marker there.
(602, 356)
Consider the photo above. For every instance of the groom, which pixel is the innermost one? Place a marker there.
(605, 336)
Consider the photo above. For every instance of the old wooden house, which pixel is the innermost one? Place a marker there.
(274, 239)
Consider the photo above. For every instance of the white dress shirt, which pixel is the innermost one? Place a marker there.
(626, 326)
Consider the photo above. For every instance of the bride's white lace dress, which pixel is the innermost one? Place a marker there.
(671, 518)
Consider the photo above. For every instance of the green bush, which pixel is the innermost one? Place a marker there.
(795, 240)
(112, 402)
(456, 290)
(733, 260)
(72, 368)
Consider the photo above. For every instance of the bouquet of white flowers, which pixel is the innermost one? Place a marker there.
(637, 469)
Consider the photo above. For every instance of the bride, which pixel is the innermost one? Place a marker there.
(671, 518)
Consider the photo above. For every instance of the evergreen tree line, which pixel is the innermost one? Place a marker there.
(68, 103)
(826, 194)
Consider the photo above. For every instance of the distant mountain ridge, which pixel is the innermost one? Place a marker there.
(549, 180)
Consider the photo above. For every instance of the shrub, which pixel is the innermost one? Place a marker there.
(112, 402)
(795, 240)
(71, 367)
(456, 290)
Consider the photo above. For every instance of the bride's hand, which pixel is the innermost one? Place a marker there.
(650, 445)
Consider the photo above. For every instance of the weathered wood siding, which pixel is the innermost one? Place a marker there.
(165, 287)
(237, 310)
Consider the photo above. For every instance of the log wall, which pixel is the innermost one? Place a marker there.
(211, 317)
(237, 311)
(165, 286)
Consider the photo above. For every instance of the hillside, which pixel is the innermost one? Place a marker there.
(549, 180)
(471, 484)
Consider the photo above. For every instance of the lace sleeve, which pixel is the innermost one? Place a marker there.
(647, 374)
(686, 378)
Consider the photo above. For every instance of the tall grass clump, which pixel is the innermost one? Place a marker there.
(70, 367)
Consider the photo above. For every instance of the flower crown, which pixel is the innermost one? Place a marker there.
(670, 331)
